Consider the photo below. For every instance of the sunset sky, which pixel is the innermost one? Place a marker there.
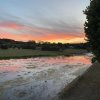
(43, 20)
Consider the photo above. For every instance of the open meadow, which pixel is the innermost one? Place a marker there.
(26, 53)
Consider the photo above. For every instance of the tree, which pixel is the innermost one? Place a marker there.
(92, 26)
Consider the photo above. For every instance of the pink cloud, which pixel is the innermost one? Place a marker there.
(37, 34)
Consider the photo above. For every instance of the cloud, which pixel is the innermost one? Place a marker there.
(50, 38)
(9, 24)
(52, 31)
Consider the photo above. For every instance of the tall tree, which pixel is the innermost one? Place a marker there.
(92, 26)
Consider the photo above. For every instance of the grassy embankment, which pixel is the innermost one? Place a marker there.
(26, 53)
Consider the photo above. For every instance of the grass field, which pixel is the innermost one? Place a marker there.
(26, 53)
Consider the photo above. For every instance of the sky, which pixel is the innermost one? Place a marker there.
(43, 20)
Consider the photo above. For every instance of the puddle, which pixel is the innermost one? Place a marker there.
(39, 78)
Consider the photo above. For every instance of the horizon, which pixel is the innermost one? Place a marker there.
(48, 21)
(41, 41)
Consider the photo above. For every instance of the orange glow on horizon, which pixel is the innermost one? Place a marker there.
(49, 38)
(16, 31)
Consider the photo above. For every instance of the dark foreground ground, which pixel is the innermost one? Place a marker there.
(87, 88)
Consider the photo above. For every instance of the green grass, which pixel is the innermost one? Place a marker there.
(26, 53)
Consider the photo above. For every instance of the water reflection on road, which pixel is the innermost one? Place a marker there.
(39, 78)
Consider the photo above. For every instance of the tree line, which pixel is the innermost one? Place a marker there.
(45, 46)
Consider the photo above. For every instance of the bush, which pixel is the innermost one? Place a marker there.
(50, 48)
(4, 47)
(94, 59)
(28, 47)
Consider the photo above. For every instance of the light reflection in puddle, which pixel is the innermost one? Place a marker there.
(39, 78)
